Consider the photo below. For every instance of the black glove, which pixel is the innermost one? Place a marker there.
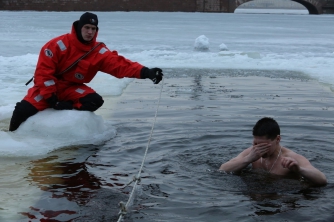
(154, 74)
(64, 105)
(52, 100)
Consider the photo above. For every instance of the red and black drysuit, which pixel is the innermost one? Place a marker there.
(57, 55)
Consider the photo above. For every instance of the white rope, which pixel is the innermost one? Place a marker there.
(136, 179)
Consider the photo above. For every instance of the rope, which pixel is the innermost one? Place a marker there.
(136, 179)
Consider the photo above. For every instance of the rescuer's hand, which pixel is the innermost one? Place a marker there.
(63, 105)
(52, 100)
(155, 74)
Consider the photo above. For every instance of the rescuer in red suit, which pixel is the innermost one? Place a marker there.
(59, 82)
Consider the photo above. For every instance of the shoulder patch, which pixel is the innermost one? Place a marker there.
(48, 53)
(61, 45)
(103, 50)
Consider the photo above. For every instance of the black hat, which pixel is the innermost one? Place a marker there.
(88, 18)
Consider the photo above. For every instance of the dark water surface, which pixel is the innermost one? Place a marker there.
(205, 118)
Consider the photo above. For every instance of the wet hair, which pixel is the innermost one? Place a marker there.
(267, 127)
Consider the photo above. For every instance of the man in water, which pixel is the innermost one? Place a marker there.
(267, 154)
(69, 61)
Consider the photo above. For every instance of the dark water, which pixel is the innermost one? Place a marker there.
(204, 119)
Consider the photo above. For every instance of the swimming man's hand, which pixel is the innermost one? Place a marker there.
(290, 163)
(257, 151)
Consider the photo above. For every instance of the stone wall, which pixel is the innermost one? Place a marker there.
(147, 5)
(99, 5)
